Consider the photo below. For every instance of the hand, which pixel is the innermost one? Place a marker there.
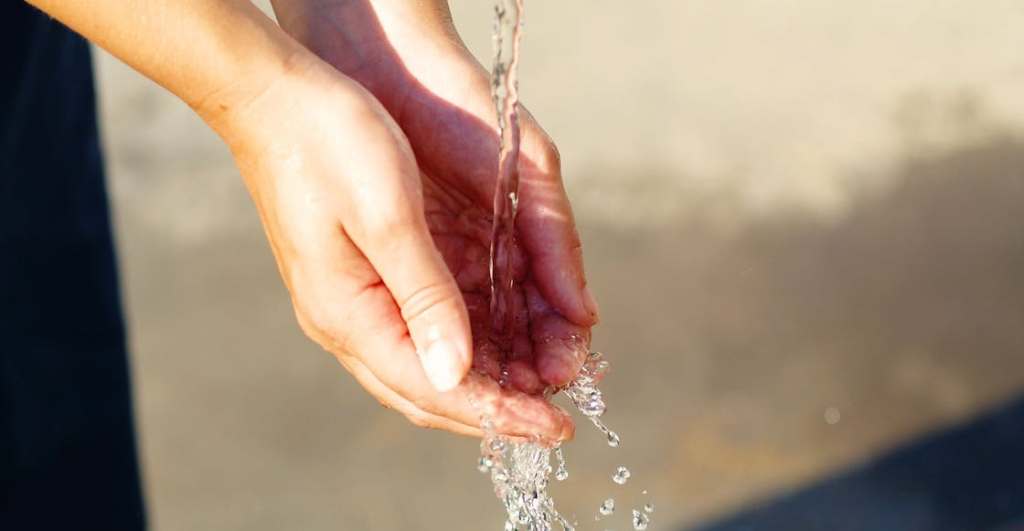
(343, 204)
(341, 199)
(410, 57)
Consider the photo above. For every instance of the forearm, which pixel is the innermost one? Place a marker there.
(216, 55)
(423, 13)
(388, 46)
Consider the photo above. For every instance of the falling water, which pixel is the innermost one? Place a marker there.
(505, 90)
(520, 471)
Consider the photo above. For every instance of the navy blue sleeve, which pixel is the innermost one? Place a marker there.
(67, 443)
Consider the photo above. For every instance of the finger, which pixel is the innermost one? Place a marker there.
(393, 400)
(520, 373)
(424, 419)
(548, 229)
(391, 357)
(560, 346)
(510, 410)
(523, 376)
(389, 227)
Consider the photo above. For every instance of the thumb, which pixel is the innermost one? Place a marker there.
(383, 215)
(404, 255)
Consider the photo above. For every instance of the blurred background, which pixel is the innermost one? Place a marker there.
(804, 222)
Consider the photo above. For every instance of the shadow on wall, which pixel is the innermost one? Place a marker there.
(903, 316)
(918, 295)
(969, 478)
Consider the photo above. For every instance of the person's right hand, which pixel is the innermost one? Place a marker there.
(342, 202)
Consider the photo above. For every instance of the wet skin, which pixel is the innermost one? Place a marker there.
(412, 61)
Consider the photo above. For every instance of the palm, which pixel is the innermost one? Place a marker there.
(461, 231)
(440, 97)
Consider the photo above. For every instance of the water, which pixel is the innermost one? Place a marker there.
(520, 471)
(561, 473)
(505, 90)
(621, 475)
(607, 507)
(640, 520)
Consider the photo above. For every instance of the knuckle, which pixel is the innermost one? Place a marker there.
(392, 225)
(388, 227)
(421, 401)
(551, 157)
(575, 242)
(320, 324)
(424, 298)
(420, 419)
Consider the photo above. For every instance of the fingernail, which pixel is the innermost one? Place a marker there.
(568, 429)
(441, 363)
(589, 303)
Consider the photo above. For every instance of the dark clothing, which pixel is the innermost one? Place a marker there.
(67, 444)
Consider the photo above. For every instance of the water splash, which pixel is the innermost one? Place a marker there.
(520, 471)
(520, 476)
(561, 473)
(640, 520)
(588, 399)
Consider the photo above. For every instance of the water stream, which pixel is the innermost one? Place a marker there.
(520, 471)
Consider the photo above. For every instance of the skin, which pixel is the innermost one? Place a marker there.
(364, 131)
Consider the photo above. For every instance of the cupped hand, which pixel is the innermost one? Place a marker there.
(410, 57)
(356, 228)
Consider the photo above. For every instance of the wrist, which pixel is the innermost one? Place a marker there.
(385, 45)
(352, 14)
(303, 99)
(232, 103)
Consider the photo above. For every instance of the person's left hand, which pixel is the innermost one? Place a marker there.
(410, 57)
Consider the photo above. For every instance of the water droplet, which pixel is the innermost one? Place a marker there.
(640, 520)
(509, 526)
(613, 439)
(592, 403)
(561, 473)
(497, 445)
(607, 508)
(503, 376)
(648, 507)
(485, 464)
(832, 416)
(621, 475)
